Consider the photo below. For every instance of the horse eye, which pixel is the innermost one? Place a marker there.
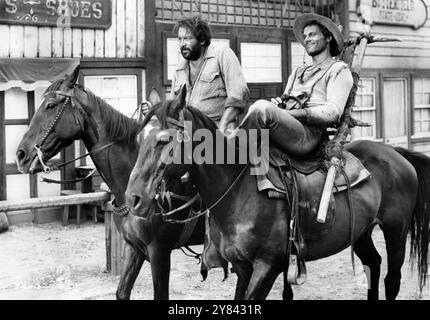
(50, 105)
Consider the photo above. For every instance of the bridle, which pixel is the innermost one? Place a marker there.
(38, 147)
(161, 193)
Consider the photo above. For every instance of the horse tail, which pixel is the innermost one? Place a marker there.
(421, 216)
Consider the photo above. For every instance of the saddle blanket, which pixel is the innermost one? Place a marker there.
(272, 182)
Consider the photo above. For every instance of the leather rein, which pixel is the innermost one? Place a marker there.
(47, 169)
(162, 194)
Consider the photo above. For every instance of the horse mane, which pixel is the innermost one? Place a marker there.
(203, 120)
(118, 127)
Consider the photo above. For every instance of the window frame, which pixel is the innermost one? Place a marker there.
(282, 55)
(414, 136)
(377, 96)
(11, 168)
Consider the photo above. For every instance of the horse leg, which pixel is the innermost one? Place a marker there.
(396, 247)
(369, 256)
(159, 258)
(133, 261)
(262, 279)
(287, 294)
(243, 273)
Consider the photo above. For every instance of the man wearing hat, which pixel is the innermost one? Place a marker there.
(322, 89)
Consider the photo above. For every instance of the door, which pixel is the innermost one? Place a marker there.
(395, 115)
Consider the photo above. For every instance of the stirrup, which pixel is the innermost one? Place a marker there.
(296, 271)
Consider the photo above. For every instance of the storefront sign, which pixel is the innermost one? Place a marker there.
(94, 14)
(394, 12)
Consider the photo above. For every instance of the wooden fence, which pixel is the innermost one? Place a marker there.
(113, 237)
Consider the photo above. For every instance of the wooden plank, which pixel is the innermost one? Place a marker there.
(31, 36)
(381, 62)
(51, 202)
(108, 240)
(16, 41)
(398, 52)
(131, 28)
(389, 29)
(110, 35)
(88, 43)
(140, 29)
(45, 42)
(5, 39)
(2, 147)
(77, 43)
(67, 42)
(99, 51)
(57, 42)
(120, 29)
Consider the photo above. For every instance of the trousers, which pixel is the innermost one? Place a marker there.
(287, 132)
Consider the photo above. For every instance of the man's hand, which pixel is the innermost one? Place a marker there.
(227, 122)
(276, 101)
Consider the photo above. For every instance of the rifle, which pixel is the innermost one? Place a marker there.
(347, 122)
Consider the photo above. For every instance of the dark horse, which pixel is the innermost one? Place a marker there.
(254, 229)
(89, 118)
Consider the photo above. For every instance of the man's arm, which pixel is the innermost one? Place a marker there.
(235, 85)
(228, 117)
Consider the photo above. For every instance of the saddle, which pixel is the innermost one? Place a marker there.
(310, 174)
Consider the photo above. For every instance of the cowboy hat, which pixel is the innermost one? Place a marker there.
(305, 19)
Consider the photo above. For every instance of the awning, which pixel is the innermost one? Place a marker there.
(29, 74)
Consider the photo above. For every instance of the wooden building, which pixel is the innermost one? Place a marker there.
(105, 37)
(127, 50)
(395, 92)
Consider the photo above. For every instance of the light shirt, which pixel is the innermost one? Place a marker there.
(218, 85)
(329, 84)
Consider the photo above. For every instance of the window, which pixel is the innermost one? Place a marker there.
(299, 57)
(120, 91)
(365, 108)
(19, 107)
(421, 107)
(261, 62)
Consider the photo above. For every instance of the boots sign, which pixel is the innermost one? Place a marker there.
(94, 14)
(412, 13)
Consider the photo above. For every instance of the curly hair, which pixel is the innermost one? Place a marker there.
(199, 27)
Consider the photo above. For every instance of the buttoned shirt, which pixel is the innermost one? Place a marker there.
(219, 84)
(328, 83)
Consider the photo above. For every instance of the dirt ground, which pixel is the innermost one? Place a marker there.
(52, 261)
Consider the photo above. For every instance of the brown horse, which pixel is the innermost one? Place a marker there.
(68, 113)
(254, 229)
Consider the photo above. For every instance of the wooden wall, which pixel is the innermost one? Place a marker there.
(412, 53)
(124, 39)
(269, 13)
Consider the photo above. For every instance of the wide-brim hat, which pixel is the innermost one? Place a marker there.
(305, 19)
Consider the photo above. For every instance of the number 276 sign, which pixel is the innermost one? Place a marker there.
(95, 14)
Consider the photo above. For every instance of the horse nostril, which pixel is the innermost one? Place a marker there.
(20, 155)
(136, 202)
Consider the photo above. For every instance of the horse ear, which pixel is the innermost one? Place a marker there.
(154, 97)
(73, 78)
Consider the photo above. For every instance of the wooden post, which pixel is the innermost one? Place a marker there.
(3, 222)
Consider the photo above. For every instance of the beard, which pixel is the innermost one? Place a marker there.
(317, 51)
(192, 53)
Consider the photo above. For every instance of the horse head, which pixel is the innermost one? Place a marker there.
(153, 177)
(56, 124)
